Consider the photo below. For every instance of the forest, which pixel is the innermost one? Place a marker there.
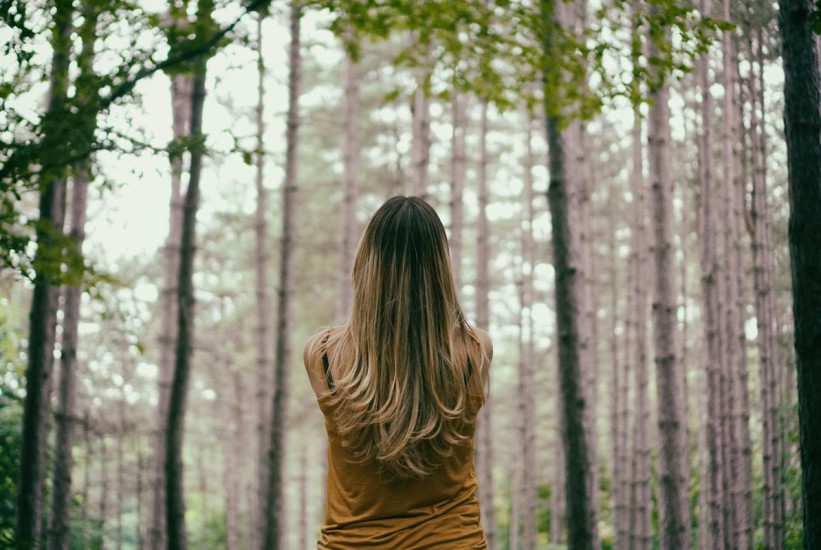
(632, 195)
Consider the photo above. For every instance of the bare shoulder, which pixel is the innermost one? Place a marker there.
(484, 341)
(311, 358)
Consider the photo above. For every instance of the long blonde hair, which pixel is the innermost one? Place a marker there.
(404, 385)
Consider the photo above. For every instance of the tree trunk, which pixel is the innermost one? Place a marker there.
(350, 156)
(60, 536)
(263, 299)
(484, 456)
(103, 504)
(710, 274)
(43, 315)
(458, 161)
(181, 90)
(580, 490)
(529, 509)
(640, 511)
(174, 497)
(766, 318)
(274, 509)
(802, 122)
(674, 512)
(420, 151)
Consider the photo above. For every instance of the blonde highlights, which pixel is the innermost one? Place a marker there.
(404, 383)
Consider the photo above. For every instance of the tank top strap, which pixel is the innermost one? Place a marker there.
(326, 366)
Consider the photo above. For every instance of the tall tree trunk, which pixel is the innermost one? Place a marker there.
(263, 299)
(86, 478)
(43, 314)
(674, 524)
(174, 496)
(350, 156)
(232, 439)
(121, 490)
(640, 511)
(60, 536)
(484, 457)
(569, 287)
(529, 510)
(274, 509)
(458, 162)
(768, 346)
(710, 274)
(420, 148)
(557, 494)
(181, 91)
(802, 122)
(104, 482)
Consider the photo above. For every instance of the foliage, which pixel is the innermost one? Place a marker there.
(11, 414)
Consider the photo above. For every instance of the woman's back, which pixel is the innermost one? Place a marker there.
(400, 385)
(364, 509)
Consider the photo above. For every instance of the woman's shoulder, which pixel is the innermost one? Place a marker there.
(312, 352)
(482, 339)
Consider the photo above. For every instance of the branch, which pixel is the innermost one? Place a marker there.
(184, 56)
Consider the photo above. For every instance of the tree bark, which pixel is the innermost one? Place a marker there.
(350, 156)
(802, 122)
(181, 90)
(529, 510)
(484, 456)
(420, 150)
(674, 521)
(458, 161)
(640, 511)
(580, 490)
(710, 274)
(274, 509)
(174, 497)
(263, 299)
(766, 318)
(60, 535)
(43, 314)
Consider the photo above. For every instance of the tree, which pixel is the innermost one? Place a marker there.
(273, 519)
(802, 122)
(61, 486)
(674, 524)
(483, 452)
(174, 497)
(43, 316)
(579, 457)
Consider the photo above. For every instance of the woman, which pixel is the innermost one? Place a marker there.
(400, 385)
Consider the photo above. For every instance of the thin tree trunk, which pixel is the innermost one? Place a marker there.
(263, 299)
(181, 90)
(174, 497)
(580, 490)
(529, 501)
(763, 277)
(350, 157)
(420, 148)
(274, 509)
(710, 274)
(86, 478)
(458, 162)
(484, 457)
(557, 494)
(43, 314)
(60, 536)
(640, 534)
(736, 518)
(121, 490)
(232, 442)
(103, 504)
(674, 521)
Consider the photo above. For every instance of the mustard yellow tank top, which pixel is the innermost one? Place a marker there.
(364, 510)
